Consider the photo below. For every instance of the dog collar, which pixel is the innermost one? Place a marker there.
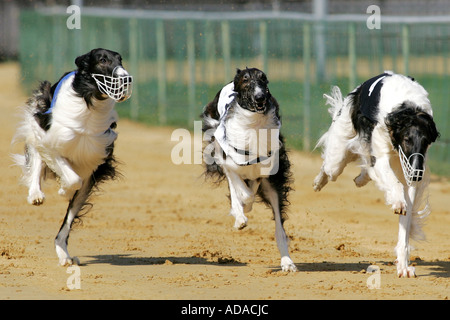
(58, 87)
(247, 153)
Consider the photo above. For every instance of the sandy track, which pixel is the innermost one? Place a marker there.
(161, 232)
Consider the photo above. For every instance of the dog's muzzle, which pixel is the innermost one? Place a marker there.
(118, 86)
(412, 175)
(260, 103)
(259, 100)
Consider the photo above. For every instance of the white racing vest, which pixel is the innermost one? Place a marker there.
(240, 156)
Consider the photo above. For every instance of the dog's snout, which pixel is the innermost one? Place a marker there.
(416, 163)
(259, 95)
(120, 72)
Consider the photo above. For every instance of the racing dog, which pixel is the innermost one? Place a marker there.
(243, 144)
(68, 131)
(386, 124)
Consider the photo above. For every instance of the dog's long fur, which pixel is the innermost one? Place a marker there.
(73, 142)
(369, 125)
(253, 108)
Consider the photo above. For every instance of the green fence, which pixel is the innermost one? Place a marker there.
(180, 60)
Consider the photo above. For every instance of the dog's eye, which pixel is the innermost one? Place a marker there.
(408, 141)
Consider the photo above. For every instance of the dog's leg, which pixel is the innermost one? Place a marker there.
(271, 196)
(335, 153)
(386, 180)
(35, 168)
(402, 248)
(241, 196)
(332, 168)
(253, 185)
(321, 180)
(382, 172)
(362, 179)
(69, 179)
(75, 205)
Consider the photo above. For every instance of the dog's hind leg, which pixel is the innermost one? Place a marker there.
(320, 180)
(332, 168)
(362, 179)
(75, 205)
(271, 196)
(336, 156)
(335, 143)
(34, 168)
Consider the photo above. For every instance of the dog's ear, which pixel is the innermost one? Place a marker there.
(82, 62)
(395, 122)
(429, 125)
(236, 78)
(404, 117)
(263, 77)
(434, 132)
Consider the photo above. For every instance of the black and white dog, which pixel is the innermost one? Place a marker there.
(243, 144)
(387, 124)
(68, 131)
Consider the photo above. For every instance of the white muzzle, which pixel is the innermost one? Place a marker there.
(118, 86)
(411, 175)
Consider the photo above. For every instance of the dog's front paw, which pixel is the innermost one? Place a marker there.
(241, 222)
(408, 272)
(69, 261)
(36, 198)
(320, 181)
(361, 180)
(287, 264)
(405, 271)
(399, 208)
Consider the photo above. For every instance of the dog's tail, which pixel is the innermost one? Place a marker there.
(210, 117)
(31, 128)
(210, 122)
(336, 102)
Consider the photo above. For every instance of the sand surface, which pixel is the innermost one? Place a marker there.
(162, 232)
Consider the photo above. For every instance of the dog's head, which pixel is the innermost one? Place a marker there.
(252, 89)
(412, 131)
(101, 71)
